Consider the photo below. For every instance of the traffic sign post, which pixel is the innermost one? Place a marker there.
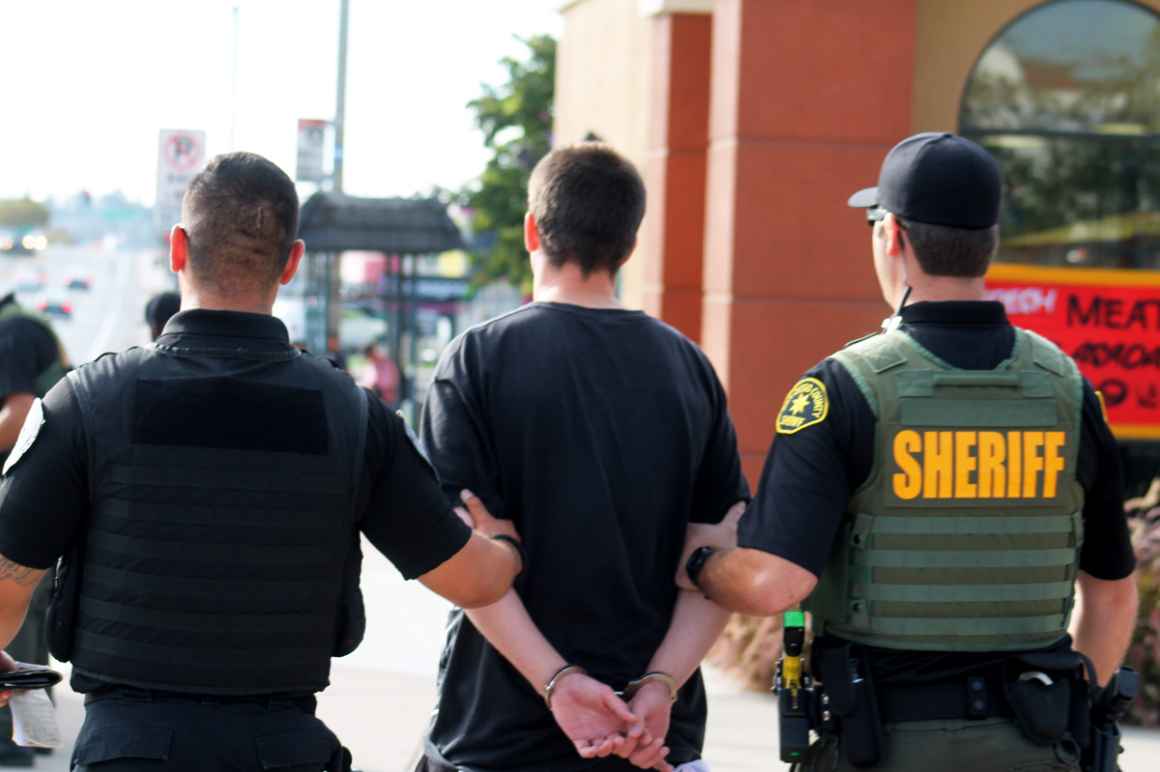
(312, 150)
(180, 156)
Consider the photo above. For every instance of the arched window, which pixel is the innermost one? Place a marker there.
(1067, 97)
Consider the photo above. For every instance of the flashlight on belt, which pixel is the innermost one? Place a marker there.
(793, 690)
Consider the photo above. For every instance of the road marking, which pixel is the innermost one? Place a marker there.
(125, 266)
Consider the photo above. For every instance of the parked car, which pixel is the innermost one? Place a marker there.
(54, 305)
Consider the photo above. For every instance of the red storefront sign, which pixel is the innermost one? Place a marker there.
(1107, 320)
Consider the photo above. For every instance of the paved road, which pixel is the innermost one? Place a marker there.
(108, 317)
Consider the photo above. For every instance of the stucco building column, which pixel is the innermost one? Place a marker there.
(806, 98)
(675, 168)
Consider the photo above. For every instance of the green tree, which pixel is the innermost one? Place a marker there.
(516, 120)
(22, 213)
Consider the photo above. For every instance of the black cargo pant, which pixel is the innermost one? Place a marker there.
(129, 730)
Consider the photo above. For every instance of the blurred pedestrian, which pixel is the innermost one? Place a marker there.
(210, 493)
(32, 360)
(158, 311)
(380, 374)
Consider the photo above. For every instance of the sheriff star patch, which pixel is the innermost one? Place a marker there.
(805, 405)
(32, 423)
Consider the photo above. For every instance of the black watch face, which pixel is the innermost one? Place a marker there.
(697, 562)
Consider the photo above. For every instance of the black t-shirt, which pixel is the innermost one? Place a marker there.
(601, 434)
(27, 349)
(810, 476)
(44, 500)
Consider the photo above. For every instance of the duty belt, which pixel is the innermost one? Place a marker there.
(973, 697)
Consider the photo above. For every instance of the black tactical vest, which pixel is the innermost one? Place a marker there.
(223, 531)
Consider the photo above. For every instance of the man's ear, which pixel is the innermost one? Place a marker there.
(531, 233)
(178, 249)
(297, 249)
(892, 232)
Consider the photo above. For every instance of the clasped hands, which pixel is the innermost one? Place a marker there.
(599, 723)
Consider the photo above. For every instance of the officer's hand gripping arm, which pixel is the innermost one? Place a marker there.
(484, 569)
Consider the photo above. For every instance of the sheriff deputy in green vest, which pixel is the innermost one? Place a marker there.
(945, 498)
(32, 360)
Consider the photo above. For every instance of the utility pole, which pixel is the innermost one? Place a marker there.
(234, 80)
(340, 103)
(334, 264)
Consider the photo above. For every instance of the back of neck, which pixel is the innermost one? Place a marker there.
(935, 289)
(567, 284)
(210, 302)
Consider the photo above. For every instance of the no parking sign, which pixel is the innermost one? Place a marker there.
(180, 156)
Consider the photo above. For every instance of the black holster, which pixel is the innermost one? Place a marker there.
(848, 683)
(1049, 696)
(63, 603)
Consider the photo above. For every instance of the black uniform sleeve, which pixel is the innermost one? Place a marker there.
(1107, 546)
(809, 477)
(407, 517)
(44, 498)
(720, 483)
(20, 358)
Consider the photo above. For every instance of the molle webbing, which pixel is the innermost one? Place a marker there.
(966, 534)
(218, 538)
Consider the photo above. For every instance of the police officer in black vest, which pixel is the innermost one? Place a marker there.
(936, 494)
(208, 493)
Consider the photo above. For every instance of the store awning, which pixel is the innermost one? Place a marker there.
(335, 222)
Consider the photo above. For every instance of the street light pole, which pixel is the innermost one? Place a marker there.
(340, 103)
(334, 264)
(234, 79)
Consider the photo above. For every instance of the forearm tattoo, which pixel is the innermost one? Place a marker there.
(11, 570)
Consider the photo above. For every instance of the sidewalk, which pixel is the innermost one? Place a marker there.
(380, 716)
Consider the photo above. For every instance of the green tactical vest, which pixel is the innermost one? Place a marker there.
(55, 371)
(966, 535)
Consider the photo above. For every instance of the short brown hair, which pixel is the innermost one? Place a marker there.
(588, 202)
(241, 214)
(945, 251)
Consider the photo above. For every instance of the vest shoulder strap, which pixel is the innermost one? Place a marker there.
(867, 358)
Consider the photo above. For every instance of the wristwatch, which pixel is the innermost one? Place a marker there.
(697, 562)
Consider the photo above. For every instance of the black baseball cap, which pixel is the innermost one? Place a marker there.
(940, 179)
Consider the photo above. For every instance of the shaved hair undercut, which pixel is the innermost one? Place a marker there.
(241, 214)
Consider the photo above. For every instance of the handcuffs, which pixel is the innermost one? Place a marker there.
(627, 694)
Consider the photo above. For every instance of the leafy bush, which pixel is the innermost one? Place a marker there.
(1144, 655)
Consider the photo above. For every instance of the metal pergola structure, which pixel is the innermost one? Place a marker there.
(331, 223)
